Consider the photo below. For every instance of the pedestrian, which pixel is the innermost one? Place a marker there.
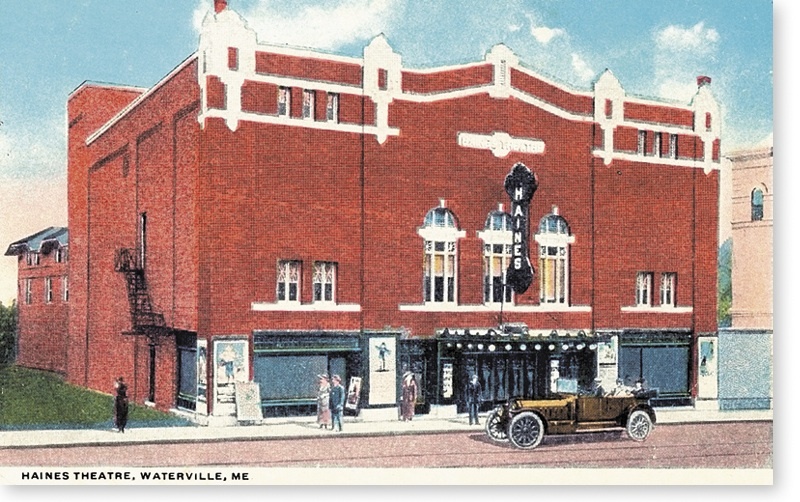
(120, 405)
(336, 402)
(409, 390)
(473, 399)
(323, 402)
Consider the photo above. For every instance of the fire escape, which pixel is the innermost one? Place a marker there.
(144, 320)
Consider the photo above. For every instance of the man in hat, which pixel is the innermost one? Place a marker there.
(473, 398)
(337, 402)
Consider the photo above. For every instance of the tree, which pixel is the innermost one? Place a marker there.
(8, 332)
(724, 290)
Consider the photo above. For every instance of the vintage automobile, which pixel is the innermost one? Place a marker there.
(526, 421)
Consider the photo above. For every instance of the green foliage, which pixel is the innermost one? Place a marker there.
(8, 332)
(32, 399)
(724, 288)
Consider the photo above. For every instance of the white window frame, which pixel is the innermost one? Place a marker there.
(641, 143)
(657, 144)
(448, 237)
(667, 289)
(644, 289)
(289, 273)
(308, 104)
(48, 290)
(332, 108)
(673, 146)
(558, 262)
(65, 288)
(284, 101)
(491, 257)
(494, 238)
(324, 278)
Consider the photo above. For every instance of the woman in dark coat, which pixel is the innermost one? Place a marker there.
(121, 405)
(409, 395)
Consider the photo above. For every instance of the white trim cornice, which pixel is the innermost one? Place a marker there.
(304, 307)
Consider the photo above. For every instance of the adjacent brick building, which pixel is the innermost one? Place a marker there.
(268, 213)
(42, 299)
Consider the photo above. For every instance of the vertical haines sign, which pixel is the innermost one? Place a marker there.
(520, 185)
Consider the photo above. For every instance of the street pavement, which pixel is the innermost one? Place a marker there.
(306, 427)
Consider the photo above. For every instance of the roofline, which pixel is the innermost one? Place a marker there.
(106, 85)
(133, 104)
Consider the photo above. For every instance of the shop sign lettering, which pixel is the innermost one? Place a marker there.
(520, 185)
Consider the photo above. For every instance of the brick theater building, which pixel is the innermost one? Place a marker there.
(267, 214)
(42, 299)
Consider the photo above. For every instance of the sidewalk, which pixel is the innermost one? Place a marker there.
(306, 427)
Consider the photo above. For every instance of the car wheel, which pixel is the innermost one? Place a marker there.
(495, 428)
(639, 425)
(526, 430)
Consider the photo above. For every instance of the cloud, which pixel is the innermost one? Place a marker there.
(680, 55)
(321, 25)
(697, 39)
(581, 68)
(544, 35)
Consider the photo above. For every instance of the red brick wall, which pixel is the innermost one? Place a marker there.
(424, 83)
(551, 94)
(224, 207)
(308, 68)
(42, 326)
(88, 108)
(155, 144)
(658, 114)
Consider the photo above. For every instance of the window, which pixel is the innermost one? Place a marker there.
(644, 288)
(756, 205)
(65, 288)
(28, 295)
(48, 290)
(440, 231)
(553, 239)
(383, 79)
(497, 240)
(324, 281)
(32, 258)
(668, 289)
(59, 256)
(233, 58)
(657, 144)
(641, 146)
(673, 146)
(609, 108)
(332, 109)
(142, 240)
(708, 121)
(288, 289)
(308, 105)
(284, 101)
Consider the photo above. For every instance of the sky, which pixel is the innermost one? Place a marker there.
(655, 49)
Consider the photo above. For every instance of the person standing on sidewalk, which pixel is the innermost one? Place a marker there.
(120, 404)
(409, 395)
(337, 402)
(473, 399)
(324, 402)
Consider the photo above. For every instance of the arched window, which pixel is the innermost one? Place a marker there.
(756, 205)
(440, 263)
(553, 239)
(497, 240)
